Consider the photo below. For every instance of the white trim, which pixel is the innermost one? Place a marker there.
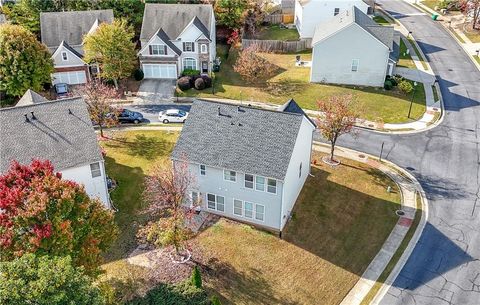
(183, 63)
(276, 186)
(234, 181)
(356, 67)
(150, 40)
(184, 45)
(345, 27)
(200, 169)
(62, 47)
(216, 202)
(66, 55)
(241, 207)
(161, 46)
(202, 45)
(253, 182)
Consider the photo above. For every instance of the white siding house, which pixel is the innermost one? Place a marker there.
(309, 13)
(249, 164)
(352, 49)
(59, 131)
(176, 37)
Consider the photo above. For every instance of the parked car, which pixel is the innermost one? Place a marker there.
(172, 116)
(61, 90)
(128, 116)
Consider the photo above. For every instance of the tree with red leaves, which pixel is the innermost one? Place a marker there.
(339, 117)
(44, 214)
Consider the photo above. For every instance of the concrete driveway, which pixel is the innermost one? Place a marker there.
(152, 91)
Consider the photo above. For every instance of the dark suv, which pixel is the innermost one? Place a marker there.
(127, 116)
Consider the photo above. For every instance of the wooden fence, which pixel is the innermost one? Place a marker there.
(279, 18)
(277, 46)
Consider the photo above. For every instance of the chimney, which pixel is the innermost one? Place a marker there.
(238, 108)
(33, 115)
(26, 118)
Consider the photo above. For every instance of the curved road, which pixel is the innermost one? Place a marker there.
(444, 266)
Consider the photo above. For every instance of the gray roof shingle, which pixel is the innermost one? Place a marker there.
(243, 139)
(173, 18)
(67, 140)
(70, 27)
(30, 98)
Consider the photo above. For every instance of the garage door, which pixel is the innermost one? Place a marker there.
(159, 71)
(72, 78)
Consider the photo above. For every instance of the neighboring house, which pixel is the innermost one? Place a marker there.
(62, 33)
(249, 164)
(352, 49)
(310, 13)
(59, 131)
(176, 37)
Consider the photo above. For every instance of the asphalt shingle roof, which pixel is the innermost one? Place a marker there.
(67, 140)
(70, 26)
(243, 139)
(173, 18)
(30, 98)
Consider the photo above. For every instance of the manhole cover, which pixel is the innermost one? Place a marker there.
(400, 213)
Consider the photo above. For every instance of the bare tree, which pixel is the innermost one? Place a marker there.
(251, 66)
(339, 118)
(99, 98)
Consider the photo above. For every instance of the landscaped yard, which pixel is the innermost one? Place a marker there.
(340, 221)
(275, 32)
(405, 59)
(293, 82)
(473, 35)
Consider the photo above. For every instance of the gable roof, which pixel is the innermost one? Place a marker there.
(67, 140)
(68, 47)
(292, 107)
(173, 18)
(163, 36)
(245, 139)
(354, 15)
(30, 98)
(70, 26)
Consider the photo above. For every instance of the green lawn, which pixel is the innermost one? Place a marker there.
(473, 35)
(340, 221)
(477, 58)
(129, 155)
(275, 32)
(381, 20)
(293, 82)
(405, 59)
(431, 3)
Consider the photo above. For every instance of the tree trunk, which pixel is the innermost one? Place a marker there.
(115, 82)
(101, 130)
(332, 148)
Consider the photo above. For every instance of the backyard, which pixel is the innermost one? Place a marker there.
(290, 81)
(327, 244)
(276, 32)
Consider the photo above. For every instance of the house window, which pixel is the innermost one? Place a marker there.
(300, 170)
(95, 170)
(336, 11)
(229, 175)
(260, 183)
(158, 49)
(248, 210)
(188, 47)
(272, 186)
(190, 63)
(259, 212)
(203, 170)
(215, 202)
(249, 181)
(203, 48)
(237, 207)
(64, 56)
(355, 63)
(195, 198)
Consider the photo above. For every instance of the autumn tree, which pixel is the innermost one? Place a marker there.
(339, 117)
(44, 280)
(111, 46)
(166, 192)
(47, 215)
(230, 13)
(100, 98)
(25, 63)
(253, 67)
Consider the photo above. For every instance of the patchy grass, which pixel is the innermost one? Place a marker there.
(471, 33)
(477, 58)
(340, 221)
(129, 155)
(381, 20)
(405, 59)
(275, 32)
(431, 4)
(290, 81)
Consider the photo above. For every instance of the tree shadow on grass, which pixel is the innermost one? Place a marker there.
(141, 145)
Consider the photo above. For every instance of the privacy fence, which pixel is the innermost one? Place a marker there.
(276, 46)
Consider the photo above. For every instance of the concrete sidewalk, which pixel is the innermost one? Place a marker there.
(409, 189)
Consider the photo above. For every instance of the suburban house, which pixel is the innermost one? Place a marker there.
(249, 164)
(62, 33)
(352, 49)
(309, 13)
(59, 131)
(176, 37)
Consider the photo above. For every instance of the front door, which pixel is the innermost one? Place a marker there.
(204, 66)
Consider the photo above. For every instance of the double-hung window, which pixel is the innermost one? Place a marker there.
(203, 48)
(336, 11)
(249, 181)
(237, 207)
(95, 169)
(158, 49)
(190, 64)
(64, 56)
(355, 63)
(259, 212)
(188, 47)
(248, 210)
(229, 175)
(215, 202)
(272, 186)
(260, 183)
(203, 169)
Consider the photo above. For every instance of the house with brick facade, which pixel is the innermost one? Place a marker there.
(62, 33)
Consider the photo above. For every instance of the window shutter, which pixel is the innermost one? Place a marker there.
(193, 46)
(150, 50)
(165, 50)
(183, 46)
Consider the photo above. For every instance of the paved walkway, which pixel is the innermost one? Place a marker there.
(409, 187)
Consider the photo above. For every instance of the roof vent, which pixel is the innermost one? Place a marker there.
(240, 124)
(232, 123)
(26, 118)
(33, 115)
(218, 108)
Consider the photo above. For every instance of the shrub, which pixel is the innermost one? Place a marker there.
(208, 81)
(183, 83)
(196, 277)
(190, 72)
(405, 86)
(138, 75)
(183, 293)
(215, 301)
(193, 79)
(388, 85)
(199, 84)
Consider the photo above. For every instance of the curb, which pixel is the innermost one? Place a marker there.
(416, 236)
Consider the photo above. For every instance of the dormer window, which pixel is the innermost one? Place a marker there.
(158, 49)
(188, 47)
(64, 56)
